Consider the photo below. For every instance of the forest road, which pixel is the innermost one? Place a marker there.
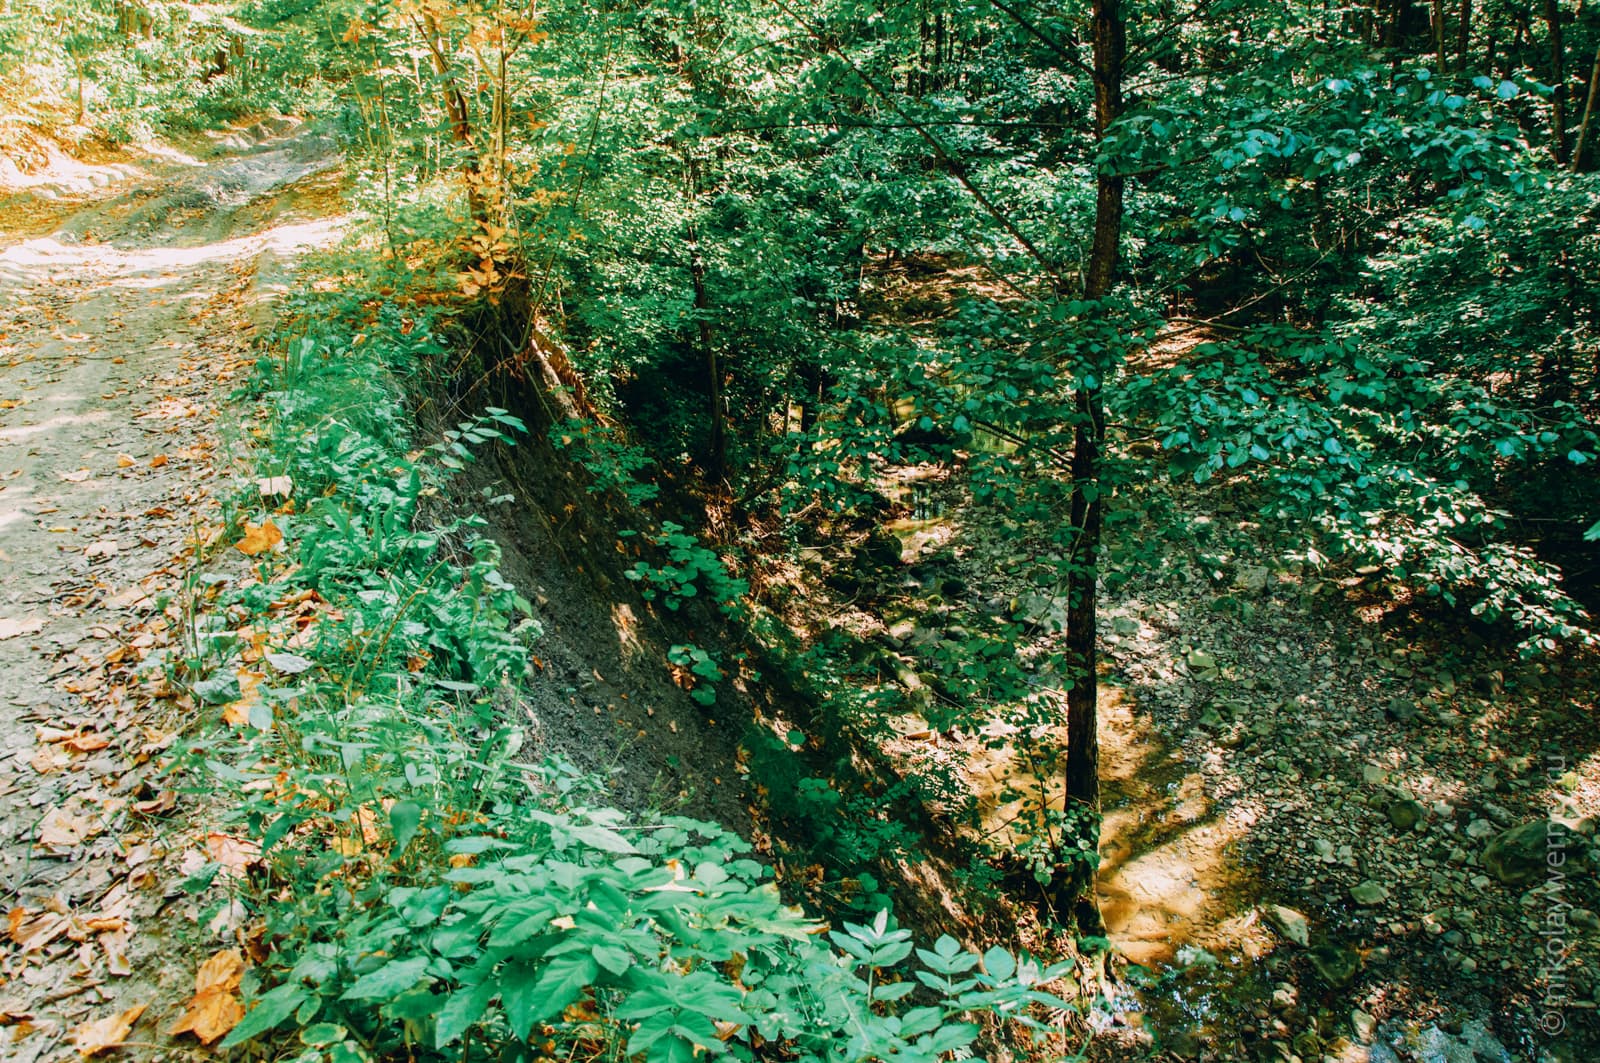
(121, 337)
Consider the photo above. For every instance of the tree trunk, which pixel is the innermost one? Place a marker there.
(456, 109)
(717, 448)
(1558, 96)
(1587, 124)
(1464, 35)
(717, 456)
(1108, 34)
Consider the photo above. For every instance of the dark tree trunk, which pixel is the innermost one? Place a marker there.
(1464, 35)
(1108, 34)
(717, 446)
(1558, 96)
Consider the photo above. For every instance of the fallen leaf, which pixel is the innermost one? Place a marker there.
(32, 930)
(76, 476)
(215, 1008)
(92, 1038)
(115, 945)
(271, 486)
(87, 743)
(158, 461)
(163, 802)
(103, 548)
(126, 461)
(259, 538)
(28, 625)
(44, 760)
(60, 829)
(234, 854)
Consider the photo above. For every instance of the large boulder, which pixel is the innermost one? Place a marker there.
(1520, 856)
(882, 550)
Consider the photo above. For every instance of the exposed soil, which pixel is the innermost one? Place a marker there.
(121, 335)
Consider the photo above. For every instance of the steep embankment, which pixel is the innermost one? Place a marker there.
(123, 332)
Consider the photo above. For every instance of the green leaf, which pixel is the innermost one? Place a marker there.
(273, 1007)
(322, 1034)
(389, 980)
(558, 985)
(601, 838)
(999, 963)
(465, 1007)
(612, 958)
(404, 819)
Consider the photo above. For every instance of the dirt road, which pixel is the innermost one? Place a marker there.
(121, 336)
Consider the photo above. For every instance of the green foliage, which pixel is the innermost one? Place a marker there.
(690, 569)
(613, 463)
(459, 896)
(703, 666)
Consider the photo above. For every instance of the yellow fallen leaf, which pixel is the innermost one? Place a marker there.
(126, 461)
(86, 743)
(115, 946)
(237, 713)
(92, 1038)
(215, 1008)
(31, 930)
(158, 461)
(259, 538)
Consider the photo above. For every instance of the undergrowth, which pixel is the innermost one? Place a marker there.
(424, 884)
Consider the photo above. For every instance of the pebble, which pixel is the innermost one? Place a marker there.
(1369, 894)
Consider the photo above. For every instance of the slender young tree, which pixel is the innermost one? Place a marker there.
(1108, 36)
(1587, 124)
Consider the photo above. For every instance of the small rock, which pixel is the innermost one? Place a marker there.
(1373, 775)
(1499, 814)
(1337, 966)
(1479, 829)
(1405, 815)
(1583, 919)
(1401, 710)
(1288, 922)
(1369, 894)
(1364, 1026)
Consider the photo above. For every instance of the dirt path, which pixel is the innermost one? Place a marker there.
(120, 339)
